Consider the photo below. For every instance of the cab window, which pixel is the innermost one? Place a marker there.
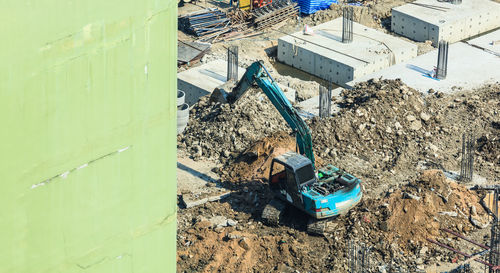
(305, 174)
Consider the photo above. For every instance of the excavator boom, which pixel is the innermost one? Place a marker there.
(257, 73)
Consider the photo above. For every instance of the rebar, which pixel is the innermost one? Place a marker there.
(495, 236)
(494, 258)
(232, 63)
(325, 101)
(467, 163)
(347, 24)
(359, 257)
(442, 64)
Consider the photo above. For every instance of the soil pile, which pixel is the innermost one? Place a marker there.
(220, 131)
(418, 210)
(255, 162)
(250, 246)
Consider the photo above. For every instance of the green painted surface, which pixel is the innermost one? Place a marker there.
(88, 145)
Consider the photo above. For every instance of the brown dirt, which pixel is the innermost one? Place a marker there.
(255, 162)
(418, 220)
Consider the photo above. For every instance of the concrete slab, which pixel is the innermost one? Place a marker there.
(202, 80)
(433, 20)
(324, 55)
(489, 42)
(468, 68)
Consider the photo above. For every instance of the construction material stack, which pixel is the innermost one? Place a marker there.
(274, 13)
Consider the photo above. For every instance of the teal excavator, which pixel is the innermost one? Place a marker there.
(293, 177)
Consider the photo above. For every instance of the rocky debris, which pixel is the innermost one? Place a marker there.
(489, 146)
(377, 122)
(395, 227)
(220, 131)
(305, 89)
(382, 134)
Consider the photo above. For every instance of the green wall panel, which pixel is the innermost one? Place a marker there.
(88, 137)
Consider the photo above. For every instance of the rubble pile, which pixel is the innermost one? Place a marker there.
(221, 131)
(381, 122)
(396, 227)
(489, 146)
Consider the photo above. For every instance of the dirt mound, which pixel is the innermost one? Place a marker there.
(220, 131)
(383, 122)
(255, 162)
(250, 246)
(419, 210)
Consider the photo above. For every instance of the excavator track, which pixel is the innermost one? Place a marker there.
(321, 227)
(316, 227)
(273, 211)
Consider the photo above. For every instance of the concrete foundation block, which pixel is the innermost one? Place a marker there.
(325, 56)
(432, 20)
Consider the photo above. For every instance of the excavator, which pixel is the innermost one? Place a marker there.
(293, 177)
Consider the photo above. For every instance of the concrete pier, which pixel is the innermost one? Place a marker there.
(324, 55)
(433, 20)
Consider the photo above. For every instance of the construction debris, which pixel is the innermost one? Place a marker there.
(404, 145)
(274, 13)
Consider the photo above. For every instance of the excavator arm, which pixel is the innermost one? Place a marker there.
(257, 73)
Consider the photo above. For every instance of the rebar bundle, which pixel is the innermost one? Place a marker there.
(442, 64)
(467, 164)
(232, 63)
(274, 13)
(359, 257)
(347, 24)
(206, 23)
(495, 248)
(495, 236)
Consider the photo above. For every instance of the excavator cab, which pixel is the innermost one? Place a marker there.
(289, 173)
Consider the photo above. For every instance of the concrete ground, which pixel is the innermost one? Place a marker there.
(468, 68)
(196, 183)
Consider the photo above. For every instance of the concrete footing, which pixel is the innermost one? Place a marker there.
(433, 20)
(202, 80)
(324, 55)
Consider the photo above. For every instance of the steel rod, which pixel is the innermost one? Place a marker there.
(458, 251)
